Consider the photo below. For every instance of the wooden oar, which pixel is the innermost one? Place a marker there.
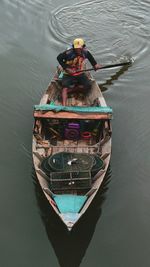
(109, 66)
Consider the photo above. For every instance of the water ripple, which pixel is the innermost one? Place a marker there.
(110, 29)
(28, 6)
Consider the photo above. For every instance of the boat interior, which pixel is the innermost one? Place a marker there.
(70, 152)
(69, 147)
(76, 96)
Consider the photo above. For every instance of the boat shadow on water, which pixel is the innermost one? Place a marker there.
(70, 247)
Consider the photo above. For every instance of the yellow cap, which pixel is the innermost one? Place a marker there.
(78, 43)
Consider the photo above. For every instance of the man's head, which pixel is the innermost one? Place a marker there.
(78, 45)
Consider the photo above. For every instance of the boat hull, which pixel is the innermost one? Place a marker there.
(78, 137)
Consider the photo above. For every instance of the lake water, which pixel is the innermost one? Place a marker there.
(116, 231)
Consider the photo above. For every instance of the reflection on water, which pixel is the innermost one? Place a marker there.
(70, 247)
(114, 77)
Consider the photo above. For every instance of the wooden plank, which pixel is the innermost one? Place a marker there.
(38, 155)
(44, 99)
(39, 171)
(71, 115)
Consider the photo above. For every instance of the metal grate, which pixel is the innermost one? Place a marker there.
(70, 180)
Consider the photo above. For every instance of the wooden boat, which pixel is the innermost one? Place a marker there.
(71, 148)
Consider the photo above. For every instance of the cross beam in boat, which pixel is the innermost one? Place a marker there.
(71, 115)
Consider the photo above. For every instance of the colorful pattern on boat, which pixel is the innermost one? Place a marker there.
(69, 203)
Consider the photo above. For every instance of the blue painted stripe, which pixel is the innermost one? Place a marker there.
(69, 203)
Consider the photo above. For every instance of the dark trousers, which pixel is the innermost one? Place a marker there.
(69, 81)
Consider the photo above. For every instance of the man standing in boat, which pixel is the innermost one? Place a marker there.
(73, 61)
